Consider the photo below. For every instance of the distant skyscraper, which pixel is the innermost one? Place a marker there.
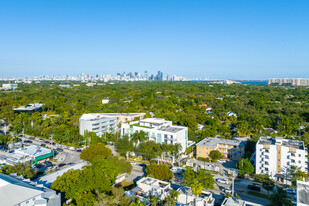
(159, 76)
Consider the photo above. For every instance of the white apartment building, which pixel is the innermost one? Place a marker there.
(274, 156)
(158, 130)
(288, 82)
(98, 123)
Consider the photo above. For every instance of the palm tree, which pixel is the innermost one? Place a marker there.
(154, 201)
(279, 198)
(197, 189)
(139, 137)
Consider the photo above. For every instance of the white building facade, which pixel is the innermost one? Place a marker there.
(98, 123)
(158, 130)
(274, 156)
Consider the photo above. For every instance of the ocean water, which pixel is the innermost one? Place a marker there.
(262, 82)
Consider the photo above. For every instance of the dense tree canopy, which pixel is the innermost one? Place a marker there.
(161, 172)
(201, 176)
(245, 167)
(284, 109)
(90, 152)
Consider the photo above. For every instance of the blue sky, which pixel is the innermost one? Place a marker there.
(231, 39)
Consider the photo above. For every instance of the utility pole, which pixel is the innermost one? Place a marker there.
(233, 185)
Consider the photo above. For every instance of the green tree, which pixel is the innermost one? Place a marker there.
(244, 166)
(21, 169)
(215, 155)
(201, 176)
(124, 145)
(139, 137)
(279, 198)
(161, 172)
(295, 174)
(90, 152)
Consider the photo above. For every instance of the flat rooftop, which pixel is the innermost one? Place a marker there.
(154, 120)
(29, 107)
(280, 141)
(171, 129)
(94, 116)
(34, 150)
(212, 142)
(123, 114)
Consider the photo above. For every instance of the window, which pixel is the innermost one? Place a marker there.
(266, 169)
(293, 154)
(293, 161)
(288, 163)
(299, 161)
(288, 157)
(299, 155)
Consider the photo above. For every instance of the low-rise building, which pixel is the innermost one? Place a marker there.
(148, 187)
(35, 153)
(98, 123)
(30, 108)
(158, 130)
(14, 191)
(9, 86)
(187, 198)
(231, 149)
(274, 156)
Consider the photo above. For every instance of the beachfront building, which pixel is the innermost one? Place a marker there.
(231, 149)
(98, 123)
(274, 156)
(158, 130)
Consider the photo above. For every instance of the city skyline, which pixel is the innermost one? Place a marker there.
(212, 39)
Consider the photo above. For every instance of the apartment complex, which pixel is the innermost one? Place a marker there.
(98, 123)
(288, 82)
(158, 130)
(231, 149)
(274, 156)
(9, 86)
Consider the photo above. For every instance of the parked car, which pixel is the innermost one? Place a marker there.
(61, 164)
(71, 163)
(291, 191)
(72, 148)
(32, 138)
(59, 149)
(43, 145)
(254, 187)
(48, 164)
(46, 142)
(221, 161)
(223, 180)
(64, 147)
(58, 145)
(53, 143)
(28, 141)
(40, 140)
(78, 150)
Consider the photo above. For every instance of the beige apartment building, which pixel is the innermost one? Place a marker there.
(230, 149)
